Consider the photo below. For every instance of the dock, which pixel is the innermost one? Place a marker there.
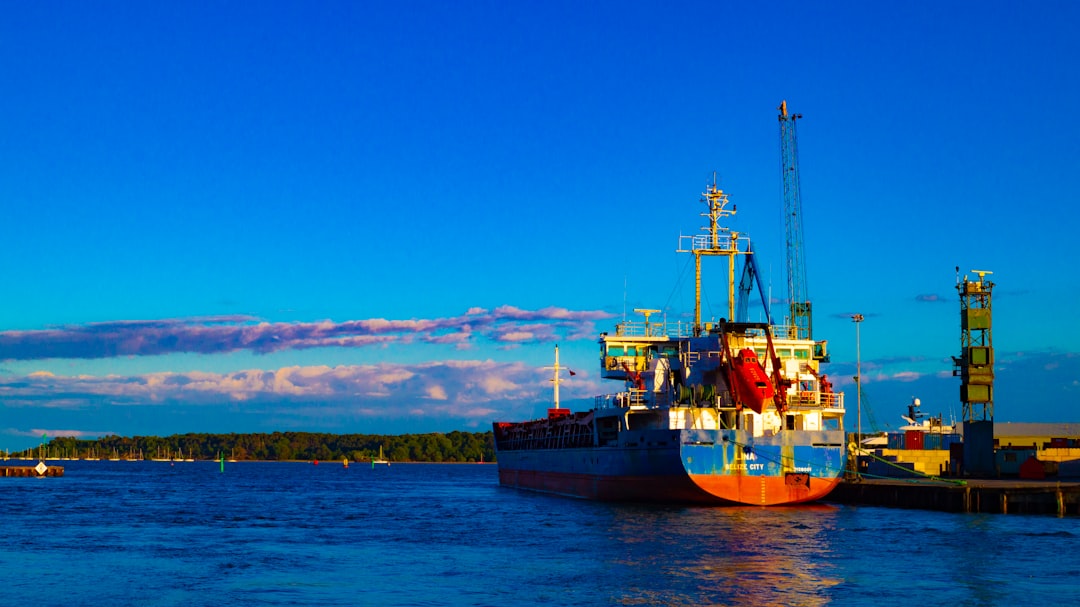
(39, 471)
(996, 496)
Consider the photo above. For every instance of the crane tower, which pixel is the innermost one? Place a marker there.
(975, 367)
(799, 310)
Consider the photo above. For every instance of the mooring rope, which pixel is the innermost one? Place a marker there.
(794, 461)
(924, 475)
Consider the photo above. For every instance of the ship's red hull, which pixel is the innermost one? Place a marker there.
(699, 489)
(666, 465)
(766, 490)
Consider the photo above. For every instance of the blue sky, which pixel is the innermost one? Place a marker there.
(379, 217)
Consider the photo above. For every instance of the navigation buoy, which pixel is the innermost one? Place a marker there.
(345, 462)
(316, 462)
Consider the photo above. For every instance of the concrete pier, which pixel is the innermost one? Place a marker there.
(974, 495)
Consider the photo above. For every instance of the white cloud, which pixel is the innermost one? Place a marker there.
(37, 432)
(462, 385)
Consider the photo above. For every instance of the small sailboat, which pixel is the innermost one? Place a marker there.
(381, 459)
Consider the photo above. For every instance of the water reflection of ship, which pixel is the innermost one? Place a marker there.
(755, 557)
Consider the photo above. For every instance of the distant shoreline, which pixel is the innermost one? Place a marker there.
(239, 461)
(433, 447)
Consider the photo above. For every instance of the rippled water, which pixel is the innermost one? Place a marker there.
(154, 533)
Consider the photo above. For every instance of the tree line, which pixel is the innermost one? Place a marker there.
(280, 446)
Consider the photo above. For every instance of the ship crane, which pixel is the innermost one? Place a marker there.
(799, 302)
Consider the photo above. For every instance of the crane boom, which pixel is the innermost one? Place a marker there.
(751, 277)
(800, 316)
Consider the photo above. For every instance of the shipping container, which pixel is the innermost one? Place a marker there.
(896, 440)
(913, 439)
(932, 441)
(948, 440)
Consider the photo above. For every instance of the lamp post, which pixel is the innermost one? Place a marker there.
(857, 319)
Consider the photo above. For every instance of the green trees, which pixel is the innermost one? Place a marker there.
(434, 447)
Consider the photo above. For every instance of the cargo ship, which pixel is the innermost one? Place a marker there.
(727, 412)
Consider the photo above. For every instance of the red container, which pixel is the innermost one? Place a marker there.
(913, 439)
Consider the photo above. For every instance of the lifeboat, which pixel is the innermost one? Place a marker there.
(751, 384)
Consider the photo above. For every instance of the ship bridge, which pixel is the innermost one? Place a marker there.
(635, 343)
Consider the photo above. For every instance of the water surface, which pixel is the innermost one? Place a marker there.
(186, 534)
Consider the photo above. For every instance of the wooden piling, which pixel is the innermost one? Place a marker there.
(31, 471)
(974, 495)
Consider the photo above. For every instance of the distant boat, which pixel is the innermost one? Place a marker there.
(915, 420)
(381, 459)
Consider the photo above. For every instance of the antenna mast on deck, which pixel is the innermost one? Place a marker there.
(717, 240)
(798, 300)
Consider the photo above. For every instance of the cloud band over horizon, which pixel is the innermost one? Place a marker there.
(470, 393)
(505, 325)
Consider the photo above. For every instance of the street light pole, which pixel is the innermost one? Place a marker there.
(857, 319)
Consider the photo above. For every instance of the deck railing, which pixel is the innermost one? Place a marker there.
(632, 398)
(827, 400)
(674, 329)
(638, 398)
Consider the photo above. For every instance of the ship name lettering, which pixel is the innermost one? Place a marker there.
(744, 467)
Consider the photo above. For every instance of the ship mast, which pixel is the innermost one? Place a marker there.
(555, 376)
(717, 241)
